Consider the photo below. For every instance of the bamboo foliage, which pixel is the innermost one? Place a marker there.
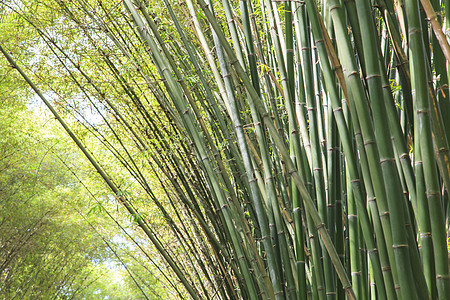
(301, 146)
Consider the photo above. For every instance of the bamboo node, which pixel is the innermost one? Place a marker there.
(369, 142)
(355, 180)
(332, 7)
(356, 273)
(278, 293)
(319, 41)
(442, 150)
(425, 234)
(233, 62)
(268, 178)
(399, 246)
(415, 30)
(443, 276)
(347, 287)
(322, 225)
(372, 76)
(404, 155)
(385, 214)
(372, 199)
(352, 74)
(386, 269)
(386, 160)
(431, 194)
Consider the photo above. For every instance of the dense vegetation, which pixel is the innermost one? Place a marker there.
(224, 149)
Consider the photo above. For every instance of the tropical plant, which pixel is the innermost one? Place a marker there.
(293, 149)
(51, 244)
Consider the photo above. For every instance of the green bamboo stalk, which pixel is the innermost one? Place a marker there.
(105, 177)
(433, 19)
(445, 105)
(277, 231)
(423, 219)
(348, 153)
(215, 178)
(263, 275)
(354, 253)
(339, 215)
(306, 79)
(422, 105)
(384, 145)
(247, 161)
(251, 56)
(184, 111)
(332, 169)
(441, 82)
(283, 151)
(116, 222)
(438, 124)
(266, 163)
(364, 266)
(375, 91)
(404, 157)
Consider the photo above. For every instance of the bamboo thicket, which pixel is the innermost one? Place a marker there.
(301, 146)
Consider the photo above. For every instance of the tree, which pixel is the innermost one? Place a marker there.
(52, 241)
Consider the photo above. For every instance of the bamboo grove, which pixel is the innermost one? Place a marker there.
(301, 146)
